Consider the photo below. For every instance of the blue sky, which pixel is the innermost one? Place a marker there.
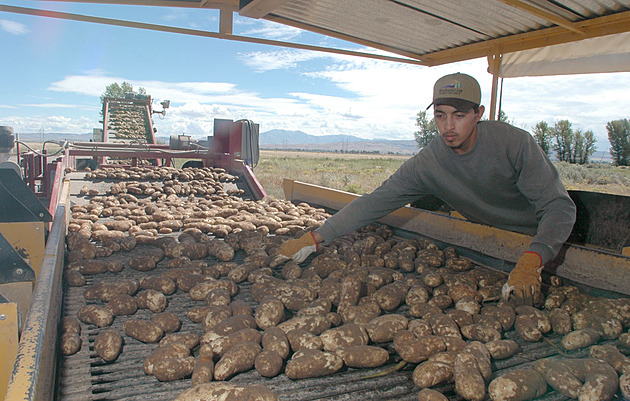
(53, 72)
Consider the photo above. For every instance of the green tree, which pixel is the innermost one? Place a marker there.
(427, 129)
(543, 135)
(118, 91)
(503, 117)
(564, 140)
(584, 146)
(619, 138)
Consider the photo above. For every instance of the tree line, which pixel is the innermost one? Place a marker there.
(570, 145)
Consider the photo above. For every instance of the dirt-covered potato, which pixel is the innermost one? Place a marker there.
(168, 321)
(108, 344)
(218, 296)
(74, 278)
(152, 300)
(527, 328)
(443, 325)
(413, 349)
(227, 392)
(228, 326)
(300, 339)
(383, 328)
(70, 343)
(469, 382)
(560, 321)
(517, 385)
(270, 312)
(213, 316)
(611, 355)
(88, 267)
(274, 339)
(142, 263)
(608, 328)
(162, 284)
(222, 344)
(268, 363)
(143, 330)
(428, 394)
(190, 340)
(580, 339)
(173, 350)
(203, 371)
(363, 356)
(312, 363)
(240, 358)
(122, 304)
(170, 369)
(315, 324)
(431, 373)
(344, 336)
(96, 315)
(601, 383)
(624, 385)
(559, 376)
(481, 332)
(417, 294)
(391, 296)
(70, 324)
(502, 349)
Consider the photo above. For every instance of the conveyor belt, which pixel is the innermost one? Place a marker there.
(84, 376)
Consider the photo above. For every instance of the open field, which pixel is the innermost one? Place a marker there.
(361, 173)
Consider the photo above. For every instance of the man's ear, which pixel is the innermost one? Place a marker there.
(481, 110)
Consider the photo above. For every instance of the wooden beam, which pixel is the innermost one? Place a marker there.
(212, 4)
(225, 21)
(494, 64)
(596, 27)
(260, 8)
(556, 19)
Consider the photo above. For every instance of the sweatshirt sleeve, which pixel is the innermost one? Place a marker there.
(539, 181)
(398, 190)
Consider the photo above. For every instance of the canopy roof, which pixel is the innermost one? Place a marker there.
(426, 32)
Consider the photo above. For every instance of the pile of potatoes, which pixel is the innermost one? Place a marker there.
(365, 300)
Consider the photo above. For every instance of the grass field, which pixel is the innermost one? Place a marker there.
(361, 173)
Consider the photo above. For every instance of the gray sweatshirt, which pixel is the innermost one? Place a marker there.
(505, 181)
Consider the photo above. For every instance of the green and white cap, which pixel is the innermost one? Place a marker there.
(457, 90)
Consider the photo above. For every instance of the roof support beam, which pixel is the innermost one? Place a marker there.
(565, 23)
(259, 8)
(596, 27)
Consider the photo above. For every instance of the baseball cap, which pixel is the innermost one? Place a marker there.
(458, 90)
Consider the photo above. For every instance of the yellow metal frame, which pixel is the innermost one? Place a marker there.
(9, 335)
(592, 267)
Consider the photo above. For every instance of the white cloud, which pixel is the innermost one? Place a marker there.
(270, 30)
(13, 27)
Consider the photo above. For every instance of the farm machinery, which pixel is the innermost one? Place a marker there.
(47, 200)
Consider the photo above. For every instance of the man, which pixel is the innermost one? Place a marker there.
(489, 171)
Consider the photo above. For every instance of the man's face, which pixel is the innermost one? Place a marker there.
(458, 129)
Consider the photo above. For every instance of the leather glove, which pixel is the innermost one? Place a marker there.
(524, 280)
(296, 249)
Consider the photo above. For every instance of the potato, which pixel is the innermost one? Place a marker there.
(360, 314)
(153, 300)
(443, 325)
(96, 315)
(170, 369)
(74, 278)
(559, 376)
(228, 326)
(462, 318)
(480, 332)
(527, 328)
(239, 307)
(143, 330)
(214, 315)
(70, 343)
(227, 392)
(270, 312)
(601, 383)
(416, 294)
(468, 304)
(240, 358)
(428, 394)
(383, 328)
(190, 340)
(363, 356)
(222, 344)
(108, 344)
(268, 363)
(517, 385)
(300, 339)
(391, 296)
(200, 290)
(314, 324)
(560, 321)
(142, 263)
(431, 373)
(413, 349)
(166, 351)
(88, 266)
(114, 266)
(274, 339)
(168, 321)
(442, 301)
(312, 363)
(122, 304)
(469, 383)
(611, 355)
(344, 336)
(580, 339)
(624, 339)
(70, 324)
(539, 317)
(317, 307)
(203, 371)
(608, 328)
(158, 283)
(482, 356)
(624, 385)
(419, 328)
(502, 349)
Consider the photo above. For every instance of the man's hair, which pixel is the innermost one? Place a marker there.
(460, 104)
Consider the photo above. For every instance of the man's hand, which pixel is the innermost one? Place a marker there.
(524, 280)
(296, 249)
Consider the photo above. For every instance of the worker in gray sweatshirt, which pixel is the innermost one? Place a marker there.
(489, 171)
